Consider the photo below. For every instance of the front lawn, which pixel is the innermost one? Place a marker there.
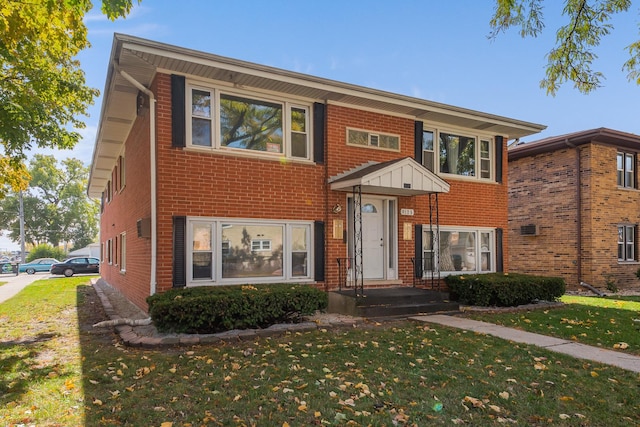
(610, 322)
(57, 370)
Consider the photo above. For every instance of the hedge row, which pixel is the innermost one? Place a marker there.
(210, 309)
(504, 289)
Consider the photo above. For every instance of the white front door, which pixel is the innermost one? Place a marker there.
(373, 244)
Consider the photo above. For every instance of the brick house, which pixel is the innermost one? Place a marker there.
(216, 171)
(574, 207)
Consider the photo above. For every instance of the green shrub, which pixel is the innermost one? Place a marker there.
(45, 251)
(504, 290)
(209, 309)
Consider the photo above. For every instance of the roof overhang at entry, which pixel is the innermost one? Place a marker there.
(400, 177)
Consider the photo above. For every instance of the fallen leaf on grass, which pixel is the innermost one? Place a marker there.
(477, 403)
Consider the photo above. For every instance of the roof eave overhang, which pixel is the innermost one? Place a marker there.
(601, 135)
(142, 59)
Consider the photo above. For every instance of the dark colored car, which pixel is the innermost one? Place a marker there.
(78, 265)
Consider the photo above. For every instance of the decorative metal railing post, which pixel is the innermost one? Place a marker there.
(435, 242)
(358, 253)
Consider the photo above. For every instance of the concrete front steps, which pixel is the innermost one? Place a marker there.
(388, 302)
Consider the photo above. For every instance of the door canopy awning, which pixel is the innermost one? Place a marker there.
(400, 177)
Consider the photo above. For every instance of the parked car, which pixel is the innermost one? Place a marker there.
(37, 265)
(77, 265)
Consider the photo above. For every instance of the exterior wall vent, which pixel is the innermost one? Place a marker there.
(374, 140)
(529, 230)
(144, 227)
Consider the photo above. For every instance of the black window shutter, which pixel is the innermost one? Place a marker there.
(418, 141)
(318, 251)
(499, 140)
(499, 251)
(318, 132)
(419, 262)
(179, 251)
(178, 99)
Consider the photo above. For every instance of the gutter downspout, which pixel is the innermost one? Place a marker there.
(578, 209)
(152, 154)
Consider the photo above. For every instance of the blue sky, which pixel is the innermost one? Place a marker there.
(435, 50)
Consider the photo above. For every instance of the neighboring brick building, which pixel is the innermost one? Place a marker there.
(218, 171)
(574, 208)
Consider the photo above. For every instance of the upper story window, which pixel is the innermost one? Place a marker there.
(234, 121)
(463, 155)
(373, 139)
(625, 170)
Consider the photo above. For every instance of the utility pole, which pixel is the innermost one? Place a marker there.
(22, 256)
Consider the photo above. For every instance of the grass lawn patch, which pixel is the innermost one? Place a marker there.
(389, 374)
(610, 322)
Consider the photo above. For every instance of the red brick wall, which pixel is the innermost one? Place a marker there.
(468, 203)
(223, 185)
(128, 205)
(191, 183)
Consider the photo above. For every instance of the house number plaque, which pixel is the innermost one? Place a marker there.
(407, 212)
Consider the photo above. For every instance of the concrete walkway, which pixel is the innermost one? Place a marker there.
(16, 283)
(558, 345)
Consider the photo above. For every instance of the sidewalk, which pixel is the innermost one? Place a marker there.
(571, 348)
(16, 283)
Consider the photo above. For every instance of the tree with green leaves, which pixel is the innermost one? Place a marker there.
(42, 87)
(56, 207)
(573, 56)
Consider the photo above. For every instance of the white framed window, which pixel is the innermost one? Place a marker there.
(108, 191)
(260, 245)
(626, 243)
(428, 153)
(122, 177)
(228, 251)
(222, 119)
(109, 251)
(625, 170)
(458, 153)
(365, 138)
(123, 252)
(458, 250)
